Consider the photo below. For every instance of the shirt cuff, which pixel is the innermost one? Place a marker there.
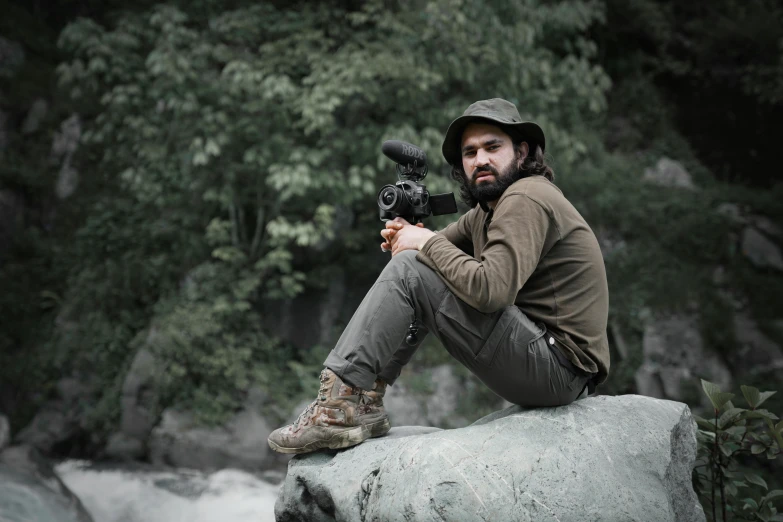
(428, 244)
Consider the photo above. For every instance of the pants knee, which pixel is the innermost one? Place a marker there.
(403, 263)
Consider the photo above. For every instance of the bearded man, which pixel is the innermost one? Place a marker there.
(515, 290)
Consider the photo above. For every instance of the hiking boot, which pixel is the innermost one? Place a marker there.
(342, 416)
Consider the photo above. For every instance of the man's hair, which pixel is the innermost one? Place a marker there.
(533, 165)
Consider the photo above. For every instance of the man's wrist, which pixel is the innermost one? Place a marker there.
(423, 242)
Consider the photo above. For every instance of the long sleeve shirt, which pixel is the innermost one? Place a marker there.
(533, 250)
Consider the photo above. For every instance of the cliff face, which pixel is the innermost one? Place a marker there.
(601, 458)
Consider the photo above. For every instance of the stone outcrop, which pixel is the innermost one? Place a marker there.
(59, 421)
(674, 354)
(30, 490)
(64, 146)
(669, 173)
(138, 403)
(436, 407)
(180, 441)
(601, 458)
(5, 432)
(759, 250)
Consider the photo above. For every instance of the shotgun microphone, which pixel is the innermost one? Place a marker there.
(410, 157)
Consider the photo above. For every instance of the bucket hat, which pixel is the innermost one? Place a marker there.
(498, 111)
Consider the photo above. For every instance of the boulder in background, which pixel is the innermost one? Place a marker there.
(138, 403)
(759, 250)
(5, 432)
(673, 354)
(59, 421)
(669, 173)
(30, 490)
(240, 443)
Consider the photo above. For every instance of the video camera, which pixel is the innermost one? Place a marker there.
(408, 198)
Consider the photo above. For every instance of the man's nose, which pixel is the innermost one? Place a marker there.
(482, 158)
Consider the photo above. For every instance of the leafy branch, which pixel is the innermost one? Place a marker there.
(735, 432)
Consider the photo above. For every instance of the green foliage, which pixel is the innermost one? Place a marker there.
(234, 142)
(724, 441)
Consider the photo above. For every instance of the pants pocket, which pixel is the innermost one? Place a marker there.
(463, 328)
(513, 328)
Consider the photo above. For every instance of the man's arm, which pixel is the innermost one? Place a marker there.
(458, 233)
(519, 233)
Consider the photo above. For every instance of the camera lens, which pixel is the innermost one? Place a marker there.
(389, 198)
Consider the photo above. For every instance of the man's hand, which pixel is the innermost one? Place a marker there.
(401, 235)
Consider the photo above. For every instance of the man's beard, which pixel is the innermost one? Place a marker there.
(487, 191)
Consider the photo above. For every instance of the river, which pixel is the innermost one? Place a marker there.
(117, 494)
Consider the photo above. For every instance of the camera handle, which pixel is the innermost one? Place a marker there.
(411, 338)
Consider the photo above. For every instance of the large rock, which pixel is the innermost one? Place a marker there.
(756, 353)
(5, 432)
(30, 491)
(762, 252)
(59, 422)
(602, 458)
(180, 441)
(139, 405)
(674, 355)
(437, 406)
(64, 145)
(669, 173)
(35, 116)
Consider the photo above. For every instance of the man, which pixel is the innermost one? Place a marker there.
(515, 290)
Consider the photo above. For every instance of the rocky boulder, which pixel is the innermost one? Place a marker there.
(674, 356)
(30, 491)
(5, 432)
(761, 252)
(669, 173)
(180, 441)
(601, 458)
(59, 423)
(139, 403)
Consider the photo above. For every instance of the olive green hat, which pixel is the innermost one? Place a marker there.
(497, 111)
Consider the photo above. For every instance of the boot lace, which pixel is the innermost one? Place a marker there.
(321, 397)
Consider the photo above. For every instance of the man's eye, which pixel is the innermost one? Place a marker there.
(469, 153)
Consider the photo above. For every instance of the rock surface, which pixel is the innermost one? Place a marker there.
(5, 432)
(436, 407)
(240, 443)
(59, 421)
(30, 491)
(602, 458)
(669, 173)
(139, 400)
(762, 252)
(674, 354)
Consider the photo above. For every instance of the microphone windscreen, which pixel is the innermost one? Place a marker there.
(404, 153)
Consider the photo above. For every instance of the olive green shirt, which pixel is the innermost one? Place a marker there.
(536, 251)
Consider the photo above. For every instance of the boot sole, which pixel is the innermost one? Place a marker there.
(344, 439)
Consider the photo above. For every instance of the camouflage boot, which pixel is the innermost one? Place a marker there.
(341, 416)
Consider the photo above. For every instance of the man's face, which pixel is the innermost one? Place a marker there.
(490, 161)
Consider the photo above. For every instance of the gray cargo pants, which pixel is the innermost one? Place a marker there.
(506, 350)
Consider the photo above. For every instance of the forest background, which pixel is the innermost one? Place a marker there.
(204, 173)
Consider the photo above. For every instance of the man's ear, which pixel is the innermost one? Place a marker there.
(524, 149)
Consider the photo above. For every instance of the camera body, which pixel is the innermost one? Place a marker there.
(408, 198)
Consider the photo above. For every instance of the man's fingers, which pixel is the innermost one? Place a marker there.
(420, 225)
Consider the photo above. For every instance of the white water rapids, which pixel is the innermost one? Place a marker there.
(131, 495)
